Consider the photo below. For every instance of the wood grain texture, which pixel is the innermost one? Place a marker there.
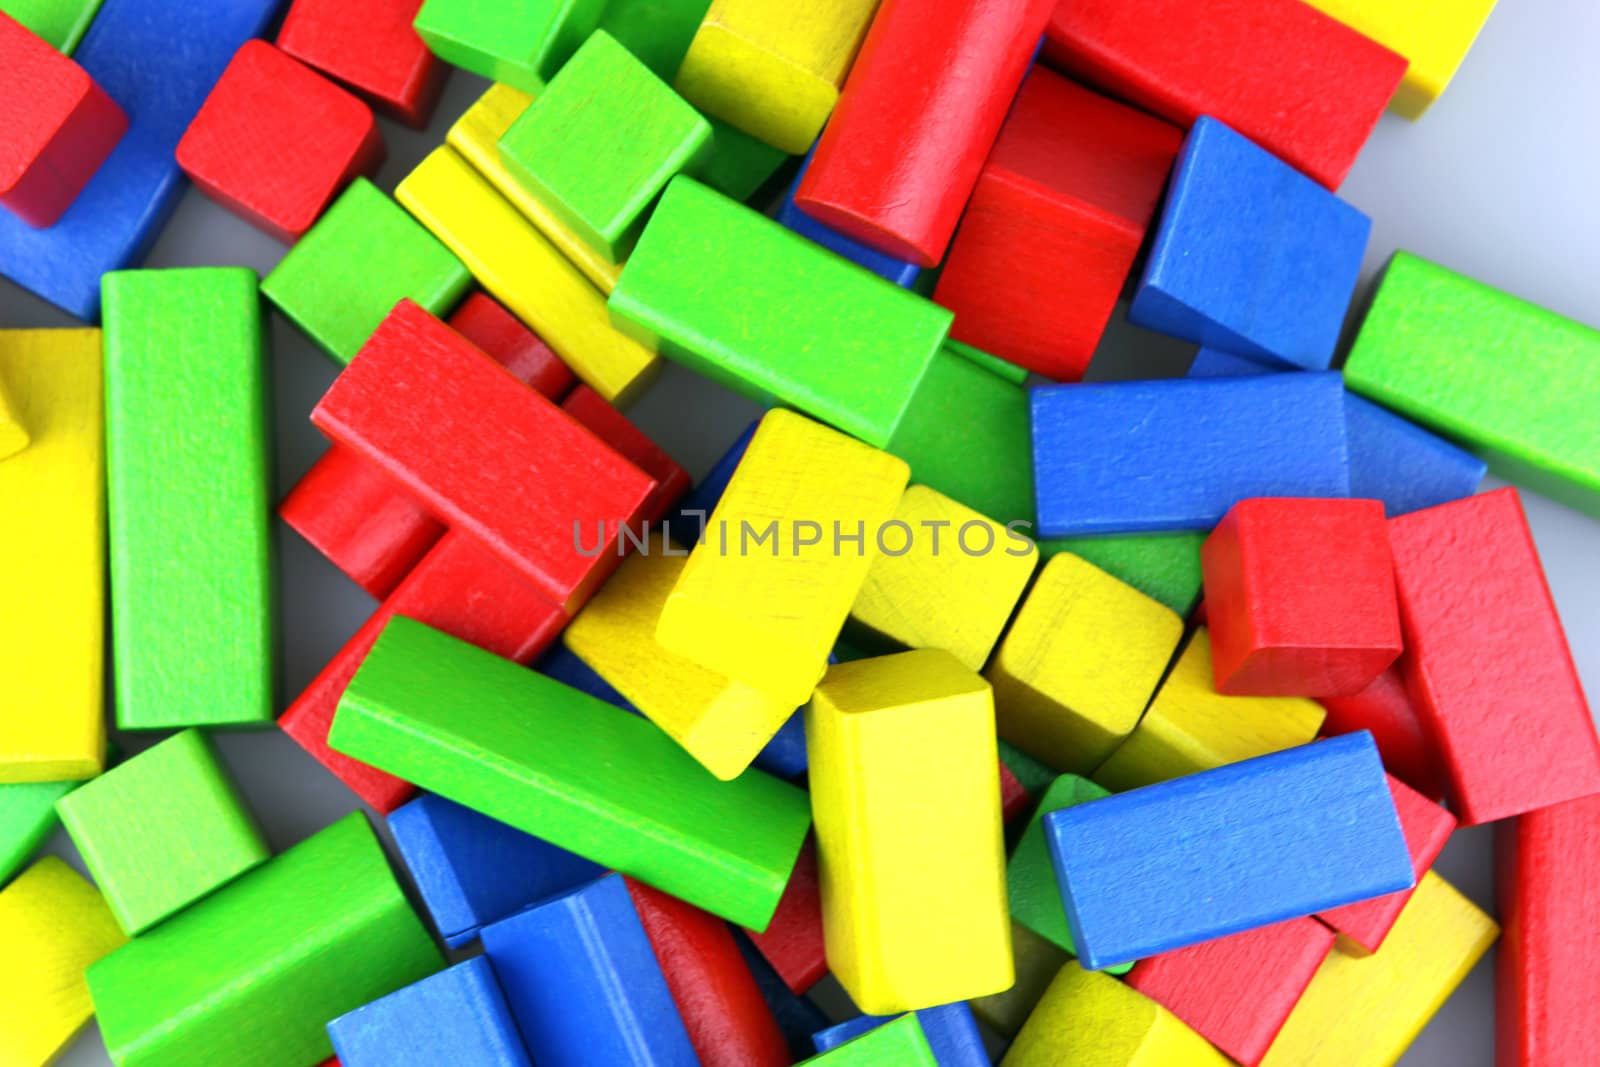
(1386, 710)
(1435, 37)
(1163, 566)
(898, 271)
(371, 47)
(14, 436)
(590, 410)
(1004, 368)
(457, 1016)
(520, 42)
(952, 1033)
(60, 22)
(792, 942)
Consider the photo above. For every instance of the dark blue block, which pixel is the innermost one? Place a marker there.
(1215, 363)
(798, 1018)
(584, 985)
(898, 271)
(158, 60)
(951, 1031)
(1250, 255)
(457, 1016)
(694, 512)
(561, 664)
(1128, 457)
(1230, 849)
(785, 754)
(472, 870)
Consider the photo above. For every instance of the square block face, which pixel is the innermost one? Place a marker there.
(369, 45)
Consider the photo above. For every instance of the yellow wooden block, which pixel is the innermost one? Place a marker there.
(53, 560)
(774, 70)
(1435, 35)
(13, 431)
(954, 585)
(1079, 664)
(1036, 960)
(1191, 727)
(905, 792)
(525, 272)
(768, 589)
(1364, 1011)
(53, 925)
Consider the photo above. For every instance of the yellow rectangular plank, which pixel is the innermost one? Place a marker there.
(13, 431)
(1435, 35)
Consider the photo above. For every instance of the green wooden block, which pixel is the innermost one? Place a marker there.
(573, 770)
(28, 817)
(188, 473)
(253, 974)
(60, 22)
(659, 32)
(1034, 775)
(361, 259)
(1165, 566)
(738, 165)
(599, 145)
(1007, 370)
(898, 1044)
(519, 42)
(1516, 384)
(735, 296)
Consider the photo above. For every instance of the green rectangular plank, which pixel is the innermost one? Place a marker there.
(189, 493)
(1164, 566)
(1009, 371)
(60, 22)
(572, 770)
(519, 42)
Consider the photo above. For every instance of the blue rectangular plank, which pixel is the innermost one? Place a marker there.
(898, 271)
(951, 1030)
(458, 1016)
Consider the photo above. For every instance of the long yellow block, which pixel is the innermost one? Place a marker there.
(1036, 960)
(53, 560)
(1364, 1011)
(767, 610)
(53, 925)
(720, 722)
(13, 431)
(953, 587)
(514, 261)
(1191, 727)
(905, 794)
(1079, 664)
(1435, 35)
(773, 69)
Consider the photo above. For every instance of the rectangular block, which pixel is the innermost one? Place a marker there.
(1385, 709)
(1037, 962)
(951, 1030)
(521, 42)
(370, 46)
(886, 267)
(797, 1016)
(1162, 566)
(27, 819)
(657, 31)
(1435, 36)
(61, 22)
(457, 1016)
(792, 943)
(901, 1042)
(590, 410)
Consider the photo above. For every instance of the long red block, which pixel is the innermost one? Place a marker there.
(1385, 708)
(614, 428)
(927, 94)
(1300, 84)
(1487, 662)
(484, 322)
(275, 141)
(59, 126)
(370, 46)
(792, 942)
(1054, 225)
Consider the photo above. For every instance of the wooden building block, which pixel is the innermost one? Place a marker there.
(884, 266)
(1387, 711)
(898, 160)
(60, 22)
(901, 1043)
(798, 1017)
(908, 832)
(457, 1016)
(590, 410)
(52, 560)
(1434, 36)
(951, 1030)
(1037, 961)
(1055, 221)
(1126, 457)
(1365, 1011)
(1004, 368)
(27, 818)
(792, 942)
(13, 431)
(1079, 664)
(371, 47)
(739, 165)
(333, 287)
(1510, 381)
(1311, 93)
(1252, 843)
(776, 321)
(275, 142)
(255, 972)
(520, 42)
(659, 32)
(1190, 727)
(527, 274)
(1251, 256)
(187, 448)
(1163, 566)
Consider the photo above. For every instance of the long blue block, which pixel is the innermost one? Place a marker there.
(898, 271)
(1131, 457)
(798, 1018)
(457, 1016)
(1250, 255)
(951, 1031)
(158, 60)
(1230, 849)
(584, 985)
(472, 870)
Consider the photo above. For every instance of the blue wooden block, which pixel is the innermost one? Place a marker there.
(457, 1016)
(158, 60)
(951, 1031)
(785, 754)
(472, 870)
(898, 271)
(798, 1018)
(1250, 255)
(686, 525)
(1129, 457)
(560, 663)
(584, 985)
(1230, 849)
(1215, 363)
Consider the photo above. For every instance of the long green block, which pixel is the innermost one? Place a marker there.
(573, 770)
(1516, 384)
(1164, 566)
(898, 1044)
(735, 296)
(188, 467)
(519, 42)
(363, 256)
(659, 32)
(60, 22)
(1007, 370)
(739, 165)
(253, 974)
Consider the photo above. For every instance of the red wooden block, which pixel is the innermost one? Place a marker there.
(370, 46)
(728, 1020)
(1054, 225)
(613, 427)
(1487, 663)
(792, 942)
(1014, 798)
(1300, 84)
(1300, 596)
(927, 94)
(481, 320)
(1237, 991)
(1384, 707)
(59, 126)
(275, 141)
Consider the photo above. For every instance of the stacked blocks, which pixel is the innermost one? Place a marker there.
(371, 47)
(887, 267)
(456, 1016)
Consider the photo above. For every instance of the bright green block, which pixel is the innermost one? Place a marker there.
(27, 815)
(519, 42)
(739, 164)
(361, 259)
(60, 22)
(1165, 566)
(659, 32)
(746, 302)
(253, 974)
(994, 364)
(573, 770)
(1035, 776)
(188, 471)
(599, 145)
(1515, 383)
(898, 1044)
